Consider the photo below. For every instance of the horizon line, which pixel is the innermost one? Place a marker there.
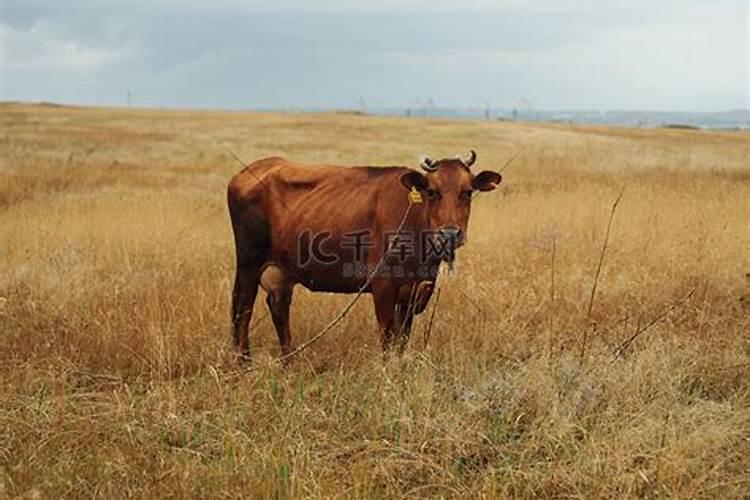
(368, 109)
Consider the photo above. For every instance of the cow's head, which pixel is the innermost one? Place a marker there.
(447, 188)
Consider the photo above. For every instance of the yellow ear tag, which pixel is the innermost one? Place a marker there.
(415, 196)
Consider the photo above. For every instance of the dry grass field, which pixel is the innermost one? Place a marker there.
(117, 377)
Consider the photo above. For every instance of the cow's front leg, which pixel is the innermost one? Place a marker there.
(384, 297)
(403, 319)
(404, 311)
(411, 299)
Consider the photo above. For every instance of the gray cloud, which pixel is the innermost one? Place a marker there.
(689, 55)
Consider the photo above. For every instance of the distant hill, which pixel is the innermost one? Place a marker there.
(733, 119)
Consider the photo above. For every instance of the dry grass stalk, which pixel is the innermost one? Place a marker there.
(599, 265)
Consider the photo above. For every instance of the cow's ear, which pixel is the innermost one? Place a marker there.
(414, 180)
(486, 180)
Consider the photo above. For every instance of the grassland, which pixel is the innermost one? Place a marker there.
(116, 372)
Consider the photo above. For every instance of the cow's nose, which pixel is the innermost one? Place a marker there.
(452, 234)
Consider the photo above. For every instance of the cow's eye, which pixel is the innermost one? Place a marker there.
(466, 195)
(433, 194)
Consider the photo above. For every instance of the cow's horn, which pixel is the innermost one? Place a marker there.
(426, 163)
(469, 160)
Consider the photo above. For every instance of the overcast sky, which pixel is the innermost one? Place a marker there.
(557, 54)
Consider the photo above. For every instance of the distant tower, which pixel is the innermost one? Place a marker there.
(523, 108)
(420, 107)
(129, 98)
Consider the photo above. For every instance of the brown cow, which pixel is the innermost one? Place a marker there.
(329, 227)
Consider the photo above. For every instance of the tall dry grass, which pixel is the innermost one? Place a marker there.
(116, 372)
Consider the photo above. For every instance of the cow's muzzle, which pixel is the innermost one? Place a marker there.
(448, 240)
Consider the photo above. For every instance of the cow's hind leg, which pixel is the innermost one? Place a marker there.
(279, 288)
(251, 256)
(243, 297)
